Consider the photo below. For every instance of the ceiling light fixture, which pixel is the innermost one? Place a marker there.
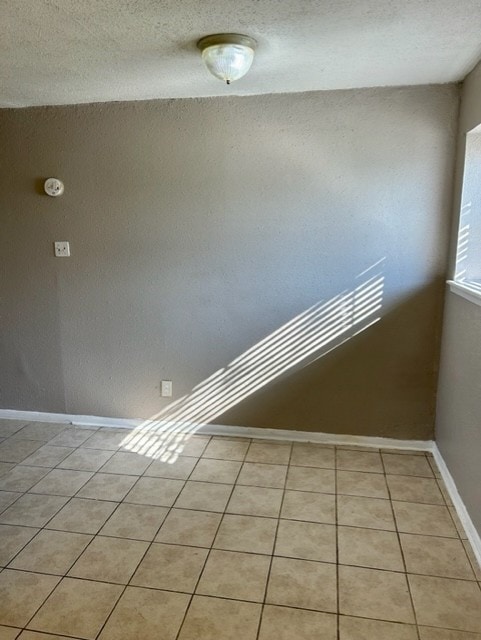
(228, 56)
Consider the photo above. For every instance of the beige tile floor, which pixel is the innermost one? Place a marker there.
(234, 539)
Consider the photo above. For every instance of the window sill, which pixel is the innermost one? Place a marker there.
(465, 291)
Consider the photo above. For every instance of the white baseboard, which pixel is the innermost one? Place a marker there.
(315, 436)
(67, 418)
(471, 531)
(222, 430)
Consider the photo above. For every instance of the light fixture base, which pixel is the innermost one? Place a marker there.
(226, 38)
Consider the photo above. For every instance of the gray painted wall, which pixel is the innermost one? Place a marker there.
(200, 227)
(458, 421)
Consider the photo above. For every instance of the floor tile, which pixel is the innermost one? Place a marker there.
(21, 594)
(434, 466)
(167, 445)
(414, 489)
(359, 461)
(358, 447)
(72, 437)
(215, 619)
(369, 513)
(311, 479)
(306, 540)
(32, 510)
(203, 496)
(106, 486)
(9, 427)
(285, 623)
(446, 603)
(86, 459)
(62, 482)
(371, 593)
(126, 463)
(370, 548)
(82, 515)
(309, 506)
(258, 474)
(444, 557)
(153, 443)
(109, 560)
(7, 498)
(226, 449)
(363, 629)
(240, 576)
(221, 471)
(312, 455)
(12, 540)
(43, 431)
(10, 633)
(432, 633)
(17, 450)
(355, 483)
(171, 567)
(5, 467)
(47, 456)
(406, 465)
(302, 583)
(472, 558)
(246, 533)
(160, 492)
(424, 519)
(193, 445)
(197, 528)
(457, 523)
(271, 453)
(255, 501)
(109, 439)
(33, 635)
(444, 492)
(64, 611)
(51, 552)
(22, 478)
(136, 521)
(406, 452)
(145, 614)
(180, 469)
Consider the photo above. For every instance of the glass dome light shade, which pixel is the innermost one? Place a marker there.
(228, 57)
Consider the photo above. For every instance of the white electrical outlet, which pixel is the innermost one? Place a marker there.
(166, 388)
(62, 249)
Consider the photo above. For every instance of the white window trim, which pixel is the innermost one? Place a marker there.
(465, 291)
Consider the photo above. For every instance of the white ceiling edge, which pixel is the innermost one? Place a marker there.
(230, 94)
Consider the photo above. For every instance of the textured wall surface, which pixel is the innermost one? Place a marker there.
(200, 229)
(458, 418)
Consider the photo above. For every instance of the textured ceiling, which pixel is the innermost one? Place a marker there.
(72, 51)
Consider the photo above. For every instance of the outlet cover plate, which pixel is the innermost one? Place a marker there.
(62, 249)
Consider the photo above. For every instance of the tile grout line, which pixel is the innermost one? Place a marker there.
(336, 517)
(187, 609)
(229, 598)
(401, 551)
(284, 490)
(353, 566)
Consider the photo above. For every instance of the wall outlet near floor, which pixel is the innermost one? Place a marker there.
(62, 249)
(166, 388)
